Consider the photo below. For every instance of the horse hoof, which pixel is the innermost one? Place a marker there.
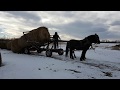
(84, 59)
(81, 59)
(72, 58)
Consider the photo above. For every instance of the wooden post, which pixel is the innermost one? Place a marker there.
(0, 60)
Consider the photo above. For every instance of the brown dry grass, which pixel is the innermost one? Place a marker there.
(116, 47)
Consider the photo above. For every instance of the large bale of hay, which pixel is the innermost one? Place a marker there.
(15, 47)
(3, 43)
(9, 45)
(3, 46)
(40, 35)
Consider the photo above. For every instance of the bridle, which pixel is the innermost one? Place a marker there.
(96, 36)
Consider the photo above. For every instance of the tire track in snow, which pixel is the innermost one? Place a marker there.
(91, 62)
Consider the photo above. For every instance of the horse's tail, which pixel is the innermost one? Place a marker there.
(67, 48)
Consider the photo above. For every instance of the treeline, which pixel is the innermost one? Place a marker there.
(108, 41)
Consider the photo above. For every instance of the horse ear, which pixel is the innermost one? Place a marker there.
(95, 34)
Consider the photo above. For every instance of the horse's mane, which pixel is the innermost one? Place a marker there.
(89, 37)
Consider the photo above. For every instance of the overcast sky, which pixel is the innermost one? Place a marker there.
(68, 24)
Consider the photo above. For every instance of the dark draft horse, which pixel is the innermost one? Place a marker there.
(81, 45)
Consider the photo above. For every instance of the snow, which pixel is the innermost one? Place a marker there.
(103, 63)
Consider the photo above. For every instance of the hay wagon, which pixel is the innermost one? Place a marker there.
(37, 39)
(43, 47)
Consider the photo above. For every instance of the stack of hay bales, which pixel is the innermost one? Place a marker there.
(40, 35)
(3, 43)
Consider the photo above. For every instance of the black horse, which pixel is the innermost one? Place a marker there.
(81, 45)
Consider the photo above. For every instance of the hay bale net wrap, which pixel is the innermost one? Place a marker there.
(40, 35)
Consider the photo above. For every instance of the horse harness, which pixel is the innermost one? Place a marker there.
(86, 42)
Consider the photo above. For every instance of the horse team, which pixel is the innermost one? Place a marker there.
(83, 45)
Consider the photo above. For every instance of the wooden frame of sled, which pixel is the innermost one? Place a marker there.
(42, 47)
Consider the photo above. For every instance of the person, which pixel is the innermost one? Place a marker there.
(56, 37)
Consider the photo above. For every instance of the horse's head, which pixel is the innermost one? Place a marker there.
(97, 40)
(93, 38)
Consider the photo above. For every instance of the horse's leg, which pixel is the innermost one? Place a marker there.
(74, 54)
(67, 49)
(66, 52)
(83, 55)
(71, 54)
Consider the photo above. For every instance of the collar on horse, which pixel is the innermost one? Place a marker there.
(86, 41)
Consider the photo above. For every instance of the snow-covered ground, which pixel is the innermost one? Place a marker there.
(102, 63)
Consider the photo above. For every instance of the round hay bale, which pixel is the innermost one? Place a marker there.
(40, 35)
(3, 44)
(15, 47)
(43, 35)
(9, 45)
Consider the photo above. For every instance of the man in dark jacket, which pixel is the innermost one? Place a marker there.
(56, 37)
